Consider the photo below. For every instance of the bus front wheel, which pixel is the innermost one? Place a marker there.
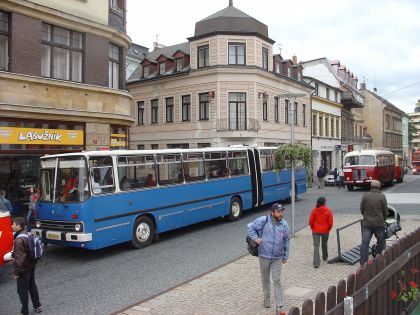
(235, 209)
(143, 232)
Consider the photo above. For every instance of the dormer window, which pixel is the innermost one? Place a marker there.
(289, 72)
(277, 68)
(145, 71)
(162, 68)
(299, 76)
(179, 64)
(236, 54)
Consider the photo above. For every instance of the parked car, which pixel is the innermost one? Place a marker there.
(329, 179)
(6, 237)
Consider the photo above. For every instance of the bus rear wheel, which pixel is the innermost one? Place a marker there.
(143, 232)
(235, 209)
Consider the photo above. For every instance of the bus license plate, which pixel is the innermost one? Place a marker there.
(53, 236)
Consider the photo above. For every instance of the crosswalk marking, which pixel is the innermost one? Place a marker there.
(403, 198)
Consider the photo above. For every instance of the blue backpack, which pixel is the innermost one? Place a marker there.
(35, 249)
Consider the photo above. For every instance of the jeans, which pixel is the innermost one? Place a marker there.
(26, 283)
(29, 220)
(317, 238)
(272, 266)
(367, 232)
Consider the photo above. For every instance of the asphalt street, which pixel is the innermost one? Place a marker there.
(74, 281)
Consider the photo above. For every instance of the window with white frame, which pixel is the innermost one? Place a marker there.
(203, 56)
(327, 93)
(277, 68)
(4, 41)
(265, 108)
(145, 71)
(289, 72)
(114, 66)
(117, 5)
(286, 111)
(295, 114)
(162, 68)
(62, 53)
(179, 64)
(236, 54)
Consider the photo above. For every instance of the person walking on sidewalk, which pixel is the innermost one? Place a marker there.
(321, 222)
(320, 174)
(340, 178)
(374, 209)
(273, 251)
(24, 271)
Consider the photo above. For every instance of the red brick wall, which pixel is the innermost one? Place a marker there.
(25, 45)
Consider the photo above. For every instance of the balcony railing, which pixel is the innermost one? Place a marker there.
(249, 124)
(349, 99)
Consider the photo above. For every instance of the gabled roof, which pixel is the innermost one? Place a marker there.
(385, 101)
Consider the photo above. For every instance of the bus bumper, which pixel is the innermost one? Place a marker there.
(63, 236)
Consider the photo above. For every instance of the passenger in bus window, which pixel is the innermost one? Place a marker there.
(149, 180)
(71, 186)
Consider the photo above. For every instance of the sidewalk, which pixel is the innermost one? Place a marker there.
(236, 287)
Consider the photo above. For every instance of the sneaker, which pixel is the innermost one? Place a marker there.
(38, 309)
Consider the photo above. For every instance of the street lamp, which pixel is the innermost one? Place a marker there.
(293, 96)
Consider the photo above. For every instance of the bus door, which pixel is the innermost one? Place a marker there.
(255, 174)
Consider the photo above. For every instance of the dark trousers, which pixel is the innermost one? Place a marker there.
(367, 233)
(323, 238)
(26, 283)
(341, 182)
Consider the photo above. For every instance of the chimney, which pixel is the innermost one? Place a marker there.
(231, 3)
(294, 60)
(363, 86)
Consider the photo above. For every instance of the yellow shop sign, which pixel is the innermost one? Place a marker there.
(17, 135)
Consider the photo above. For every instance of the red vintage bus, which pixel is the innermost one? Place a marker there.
(415, 158)
(6, 236)
(361, 167)
(399, 168)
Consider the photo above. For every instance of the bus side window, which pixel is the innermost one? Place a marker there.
(266, 158)
(216, 165)
(238, 163)
(136, 171)
(193, 165)
(102, 173)
(169, 169)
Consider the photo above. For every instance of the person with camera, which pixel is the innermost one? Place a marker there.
(271, 233)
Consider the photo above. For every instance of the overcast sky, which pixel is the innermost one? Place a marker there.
(378, 40)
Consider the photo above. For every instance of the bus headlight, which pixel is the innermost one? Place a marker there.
(38, 224)
(77, 227)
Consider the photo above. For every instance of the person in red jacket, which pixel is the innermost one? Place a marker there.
(321, 222)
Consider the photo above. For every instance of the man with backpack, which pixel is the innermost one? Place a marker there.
(25, 263)
(271, 233)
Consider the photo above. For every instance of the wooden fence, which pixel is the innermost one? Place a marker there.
(372, 285)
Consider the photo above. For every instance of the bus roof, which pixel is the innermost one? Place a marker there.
(159, 151)
(368, 152)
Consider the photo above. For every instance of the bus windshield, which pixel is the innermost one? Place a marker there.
(71, 184)
(359, 160)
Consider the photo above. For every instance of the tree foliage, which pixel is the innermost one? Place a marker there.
(293, 152)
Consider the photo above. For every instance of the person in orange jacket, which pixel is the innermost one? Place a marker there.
(321, 222)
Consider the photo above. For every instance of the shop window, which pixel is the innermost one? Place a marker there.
(119, 138)
(62, 53)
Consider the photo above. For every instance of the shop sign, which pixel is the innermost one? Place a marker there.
(118, 140)
(17, 135)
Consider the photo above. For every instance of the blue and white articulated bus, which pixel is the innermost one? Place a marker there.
(101, 198)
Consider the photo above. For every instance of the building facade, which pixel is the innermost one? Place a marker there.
(352, 122)
(383, 121)
(415, 119)
(326, 113)
(62, 83)
(220, 88)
